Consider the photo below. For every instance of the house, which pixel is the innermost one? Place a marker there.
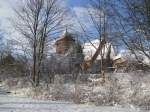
(66, 45)
(95, 54)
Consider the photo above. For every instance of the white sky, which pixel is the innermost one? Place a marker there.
(7, 13)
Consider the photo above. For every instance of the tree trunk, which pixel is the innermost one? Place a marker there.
(34, 65)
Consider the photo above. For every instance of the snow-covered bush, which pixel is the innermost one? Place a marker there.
(106, 92)
(58, 88)
(119, 88)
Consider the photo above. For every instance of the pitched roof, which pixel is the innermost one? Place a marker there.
(65, 34)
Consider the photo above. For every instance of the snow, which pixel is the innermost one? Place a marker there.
(127, 55)
(123, 89)
(15, 104)
(89, 49)
(117, 57)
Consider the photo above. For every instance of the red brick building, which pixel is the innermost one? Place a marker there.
(64, 43)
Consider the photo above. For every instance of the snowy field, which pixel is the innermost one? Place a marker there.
(10, 103)
(14, 104)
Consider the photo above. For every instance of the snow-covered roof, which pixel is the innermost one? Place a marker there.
(118, 56)
(127, 55)
(89, 49)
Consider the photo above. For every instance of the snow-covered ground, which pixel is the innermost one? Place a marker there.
(9, 103)
(14, 104)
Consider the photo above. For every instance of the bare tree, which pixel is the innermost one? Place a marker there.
(98, 17)
(39, 21)
(135, 27)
